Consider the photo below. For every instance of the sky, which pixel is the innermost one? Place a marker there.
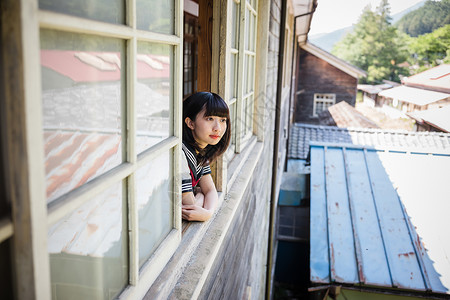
(331, 15)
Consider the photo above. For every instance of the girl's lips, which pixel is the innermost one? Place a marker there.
(215, 136)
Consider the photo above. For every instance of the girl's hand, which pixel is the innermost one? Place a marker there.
(195, 213)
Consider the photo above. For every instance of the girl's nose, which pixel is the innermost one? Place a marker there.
(216, 126)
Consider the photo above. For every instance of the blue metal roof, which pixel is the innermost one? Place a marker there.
(361, 233)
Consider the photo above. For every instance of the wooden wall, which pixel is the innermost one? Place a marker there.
(318, 76)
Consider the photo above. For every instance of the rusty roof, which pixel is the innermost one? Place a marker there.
(378, 219)
(344, 115)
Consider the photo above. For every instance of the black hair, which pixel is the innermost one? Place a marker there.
(215, 106)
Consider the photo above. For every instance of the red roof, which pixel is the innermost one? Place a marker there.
(101, 66)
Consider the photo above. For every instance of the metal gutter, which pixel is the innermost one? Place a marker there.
(273, 196)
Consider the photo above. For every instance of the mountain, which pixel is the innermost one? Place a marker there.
(326, 41)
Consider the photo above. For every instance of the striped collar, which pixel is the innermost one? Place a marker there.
(192, 160)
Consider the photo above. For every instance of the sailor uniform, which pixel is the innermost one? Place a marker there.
(191, 171)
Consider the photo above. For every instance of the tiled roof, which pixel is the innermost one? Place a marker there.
(302, 134)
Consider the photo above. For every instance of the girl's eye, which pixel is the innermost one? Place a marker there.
(223, 120)
(210, 119)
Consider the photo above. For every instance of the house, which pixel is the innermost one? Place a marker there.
(90, 137)
(426, 90)
(370, 92)
(405, 99)
(370, 234)
(324, 80)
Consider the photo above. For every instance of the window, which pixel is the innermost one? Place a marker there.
(111, 95)
(190, 54)
(322, 102)
(293, 222)
(242, 69)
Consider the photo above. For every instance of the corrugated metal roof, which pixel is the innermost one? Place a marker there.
(439, 117)
(413, 95)
(437, 79)
(302, 134)
(378, 218)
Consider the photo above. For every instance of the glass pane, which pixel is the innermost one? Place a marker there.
(253, 37)
(111, 11)
(153, 93)
(88, 249)
(248, 104)
(82, 96)
(154, 201)
(232, 108)
(155, 15)
(247, 29)
(233, 68)
(235, 25)
(245, 83)
(251, 34)
(251, 73)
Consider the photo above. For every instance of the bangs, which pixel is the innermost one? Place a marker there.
(215, 106)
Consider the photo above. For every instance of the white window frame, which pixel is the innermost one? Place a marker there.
(140, 278)
(245, 99)
(326, 99)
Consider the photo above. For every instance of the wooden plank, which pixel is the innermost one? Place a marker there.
(24, 149)
(372, 264)
(205, 20)
(341, 241)
(400, 252)
(319, 260)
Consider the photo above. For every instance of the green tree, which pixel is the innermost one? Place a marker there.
(430, 49)
(431, 16)
(375, 45)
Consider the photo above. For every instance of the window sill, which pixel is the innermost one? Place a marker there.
(183, 277)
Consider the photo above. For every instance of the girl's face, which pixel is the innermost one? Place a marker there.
(207, 130)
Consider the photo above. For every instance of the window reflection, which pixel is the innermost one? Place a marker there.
(90, 9)
(154, 200)
(88, 249)
(81, 100)
(155, 15)
(153, 94)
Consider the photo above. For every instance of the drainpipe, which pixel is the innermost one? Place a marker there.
(294, 46)
(273, 197)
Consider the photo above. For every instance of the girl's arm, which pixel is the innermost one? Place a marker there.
(193, 212)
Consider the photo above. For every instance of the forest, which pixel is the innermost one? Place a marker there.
(418, 41)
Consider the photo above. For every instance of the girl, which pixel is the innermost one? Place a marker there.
(206, 135)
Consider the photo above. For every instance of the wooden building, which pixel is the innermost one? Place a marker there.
(427, 90)
(323, 80)
(90, 188)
